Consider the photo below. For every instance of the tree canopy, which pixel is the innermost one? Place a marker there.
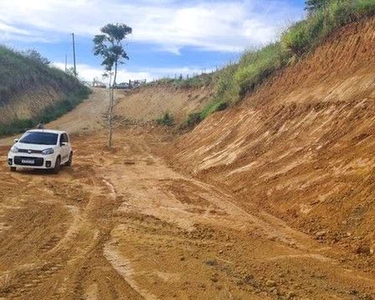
(109, 44)
(313, 5)
(35, 56)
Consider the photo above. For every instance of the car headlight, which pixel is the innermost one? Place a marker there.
(48, 151)
(14, 149)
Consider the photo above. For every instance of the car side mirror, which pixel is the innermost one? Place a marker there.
(64, 143)
(15, 140)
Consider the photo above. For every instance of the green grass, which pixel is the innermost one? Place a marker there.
(19, 74)
(305, 35)
(187, 83)
(195, 118)
(48, 114)
(213, 107)
(192, 120)
(255, 66)
(233, 82)
(166, 120)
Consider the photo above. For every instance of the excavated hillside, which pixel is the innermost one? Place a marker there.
(31, 90)
(302, 146)
(217, 214)
(152, 102)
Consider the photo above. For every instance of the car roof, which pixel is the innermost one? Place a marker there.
(47, 131)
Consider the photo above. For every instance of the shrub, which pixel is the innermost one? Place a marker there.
(296, 40)
(166, 120)
(193, 119)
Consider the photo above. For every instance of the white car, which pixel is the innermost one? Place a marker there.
(41, 149)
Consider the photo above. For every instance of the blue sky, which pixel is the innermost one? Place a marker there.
(169, 36)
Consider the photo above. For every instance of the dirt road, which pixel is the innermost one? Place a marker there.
(123, 224)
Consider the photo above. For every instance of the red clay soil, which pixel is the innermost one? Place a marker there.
(302, 147)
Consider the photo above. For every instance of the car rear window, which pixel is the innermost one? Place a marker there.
(40, 138)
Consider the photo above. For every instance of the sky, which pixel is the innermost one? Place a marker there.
(170, 37)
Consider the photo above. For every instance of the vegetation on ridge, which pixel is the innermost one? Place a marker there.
(233, 82)
(21, 72)
(48, 114)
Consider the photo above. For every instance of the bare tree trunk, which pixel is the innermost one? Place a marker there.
(110, 111)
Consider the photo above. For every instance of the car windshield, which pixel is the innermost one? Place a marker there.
(40, 138)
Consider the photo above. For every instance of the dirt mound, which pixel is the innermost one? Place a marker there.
(302, 147)
(150, 103)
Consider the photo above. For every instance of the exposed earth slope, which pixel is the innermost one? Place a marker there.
(302, 146)
(150, 103)
(273, 199)
(122, 224)
(28, 85)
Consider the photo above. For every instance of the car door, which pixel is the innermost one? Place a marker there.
(64, 146)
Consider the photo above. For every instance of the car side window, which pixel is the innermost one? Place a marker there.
(63, 139)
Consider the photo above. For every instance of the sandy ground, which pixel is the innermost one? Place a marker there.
(123, 224)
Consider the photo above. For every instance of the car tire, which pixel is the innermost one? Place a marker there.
(57, 167)
(13, 169)
(70, 161)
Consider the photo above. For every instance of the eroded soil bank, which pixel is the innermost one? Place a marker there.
(123, 224)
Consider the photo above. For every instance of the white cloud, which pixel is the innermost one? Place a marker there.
(229, 26)
(88, 73)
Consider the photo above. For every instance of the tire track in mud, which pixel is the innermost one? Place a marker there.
(107, 229)
(56, 271)
(169, 219)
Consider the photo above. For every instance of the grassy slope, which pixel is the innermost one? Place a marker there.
(232, 83)
(20, 75)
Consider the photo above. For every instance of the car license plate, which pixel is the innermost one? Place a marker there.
(28, 161)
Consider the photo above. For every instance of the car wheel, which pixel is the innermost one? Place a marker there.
(70, 161)
(13, 169)
(57, 167)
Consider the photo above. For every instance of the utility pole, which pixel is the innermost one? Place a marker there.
(74, 56)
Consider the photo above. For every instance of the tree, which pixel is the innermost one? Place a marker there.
(314, 5)
(109, 46)
(70, 71)
(35, 56)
